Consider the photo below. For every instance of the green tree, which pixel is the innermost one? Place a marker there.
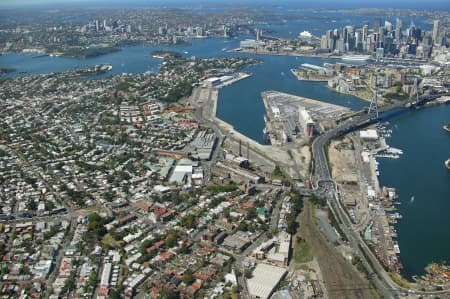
(189, 221)
(171, 240)
(167, 293)
(251, 213)
(31, 205)
(188, 277)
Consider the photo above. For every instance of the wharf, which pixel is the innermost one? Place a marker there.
(236, 78)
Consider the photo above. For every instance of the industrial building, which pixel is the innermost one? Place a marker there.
(203, 146)
(276, 250)
(264, 281)
(182, 172)
(241, 172)
(106, 275)
(368, 135)
(306, 122)
(237, 242)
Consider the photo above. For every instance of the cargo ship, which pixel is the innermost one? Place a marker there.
(356, 57)
(447, 164)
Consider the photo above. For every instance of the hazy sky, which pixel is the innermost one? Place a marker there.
(433, 4)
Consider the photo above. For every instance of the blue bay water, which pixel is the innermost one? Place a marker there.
(420, 172)
(423, 232)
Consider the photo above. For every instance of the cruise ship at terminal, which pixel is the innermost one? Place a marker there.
(356, 57)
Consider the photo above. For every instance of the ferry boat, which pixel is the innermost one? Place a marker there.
(356, 57)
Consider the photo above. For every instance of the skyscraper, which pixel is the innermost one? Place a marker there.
(398, 30)
(335, 39)
(365, 34)
(377, 25)
(436, 32)
(388, 26)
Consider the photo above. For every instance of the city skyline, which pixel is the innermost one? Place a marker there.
(440, 4)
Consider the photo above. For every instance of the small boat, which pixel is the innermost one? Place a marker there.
(412, 199)
(447, 163)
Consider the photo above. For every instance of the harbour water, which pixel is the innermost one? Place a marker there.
(423, 186)
(423, 231)
(241, 104)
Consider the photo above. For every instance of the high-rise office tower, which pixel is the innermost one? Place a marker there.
(358, 41)
(411, 30)
(436, 31)
(377, 25)
(324, 42)
(335, 39)
(388, 26)
(398, 30)
(365, 31)
(349, 38)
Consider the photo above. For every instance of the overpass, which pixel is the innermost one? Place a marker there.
(377, 275)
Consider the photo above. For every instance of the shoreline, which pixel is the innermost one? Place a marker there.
(301, 78)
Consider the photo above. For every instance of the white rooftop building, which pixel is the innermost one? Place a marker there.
(264, 281)
(368, 134)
